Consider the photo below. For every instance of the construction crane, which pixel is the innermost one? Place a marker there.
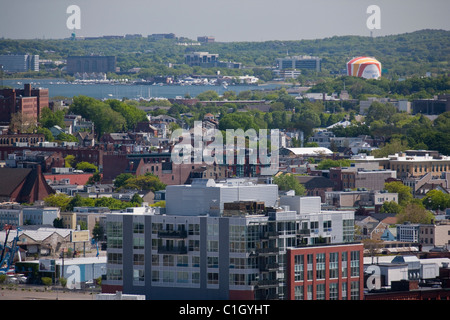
(8, 252)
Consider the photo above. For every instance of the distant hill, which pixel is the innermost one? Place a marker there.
(401, 55)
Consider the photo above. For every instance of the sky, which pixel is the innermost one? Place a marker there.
(225, 20)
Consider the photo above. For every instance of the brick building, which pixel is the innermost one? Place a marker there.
(28, 101)
(325, 272)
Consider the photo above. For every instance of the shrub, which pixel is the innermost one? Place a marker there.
(46, 281)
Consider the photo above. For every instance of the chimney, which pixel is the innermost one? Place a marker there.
(27, 90)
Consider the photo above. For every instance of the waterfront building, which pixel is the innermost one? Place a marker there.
(19, 62)
(91, 64)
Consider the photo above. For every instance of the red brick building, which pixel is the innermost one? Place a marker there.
(160, 164)
(91, 155)
(326, 272)
(28, 101)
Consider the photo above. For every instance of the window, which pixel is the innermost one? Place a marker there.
(168, 276)
(334, 291)
(212, 246)
(237, 279)
(138, 275)
(213, 278)
(156, 243)
(156, 227)
(182, 261)
(309, 293)
(194, 245)
(299, 268)
(344, 291)
(138, 227)
(194, 229)
(138, 243)
(344, 257)
(213, 229)
(155, 260)
(114, 274)
(320, 294)
(320, 266)
(114, 234)
(168, 260)
(334, 265)
(298, 293)
(354, 264)
(114, 258)
(195, 261)
(354, 290)
(309, 270)
(213, 262)
(195, 277)
(182, 277)
(138, 259)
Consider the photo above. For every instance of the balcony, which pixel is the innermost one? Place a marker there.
(260, 284)
(265, 251)
(304, 232)
(269, 235)
(174, 234)
(172, 250)
(268, 267)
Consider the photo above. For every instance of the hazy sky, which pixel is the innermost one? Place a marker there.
(226, 20)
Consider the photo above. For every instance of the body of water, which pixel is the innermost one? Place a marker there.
(60, 87)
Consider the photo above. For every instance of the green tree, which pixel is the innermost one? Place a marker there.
(404, 192)
(86, 166)
(136, 199)
(66, 137)
(60, 200)
(390, 207)
(69, 161)
(98, 232)
(120, 179)
(330, 163)
(144, 182)
(105, 119)
(393, 147)
(288, 182)
(436, 200)
(49, 118)
(47, 133)
(414, 213)
(58, 223)
(96, 177)
(209, 95)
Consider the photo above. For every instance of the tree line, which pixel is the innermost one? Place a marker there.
(401, 55)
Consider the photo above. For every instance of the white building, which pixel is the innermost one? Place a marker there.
(202, 196)
(40, 215)
(216, 241)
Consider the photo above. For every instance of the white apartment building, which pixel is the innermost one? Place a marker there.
(234, 247)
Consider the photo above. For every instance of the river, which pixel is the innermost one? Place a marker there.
(60, 87)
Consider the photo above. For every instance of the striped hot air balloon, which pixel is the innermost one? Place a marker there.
(364, 67)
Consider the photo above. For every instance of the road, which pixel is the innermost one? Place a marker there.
(26, 292)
